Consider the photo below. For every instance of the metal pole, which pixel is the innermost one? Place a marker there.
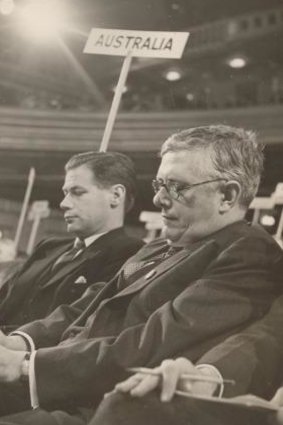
(33, 234)
(256, 216)
(278, 234)
(30, 184)
(115, 103)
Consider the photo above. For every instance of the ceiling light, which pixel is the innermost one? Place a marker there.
(6, 7)
(237, 62)
(42, 19)
(190, 97)
(173, 75)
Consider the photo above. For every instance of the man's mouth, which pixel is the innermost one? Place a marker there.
(69, 218)
(168, 218)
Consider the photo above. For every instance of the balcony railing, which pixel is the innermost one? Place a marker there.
(136, 132)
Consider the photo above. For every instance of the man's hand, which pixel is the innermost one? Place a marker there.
(12, 342)
(10, 364)
(3, 339)
(278, 400)
(170, 379)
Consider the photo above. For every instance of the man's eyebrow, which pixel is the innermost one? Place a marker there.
(176, 181)
(181, 182)
(72, 187)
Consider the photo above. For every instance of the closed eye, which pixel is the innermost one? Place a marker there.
(75, 191)
(178, 186)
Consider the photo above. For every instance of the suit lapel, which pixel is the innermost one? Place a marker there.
(189, 262)
(89, 253)
(202, 252)
(165, 266)
(41, 265)
(31, 277)
(67, 269)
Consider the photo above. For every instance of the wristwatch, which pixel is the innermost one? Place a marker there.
(25, 368)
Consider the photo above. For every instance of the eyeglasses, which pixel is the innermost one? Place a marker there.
(174, 188)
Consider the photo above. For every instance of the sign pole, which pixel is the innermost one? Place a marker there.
(30, 184)
(33, 234)
(116, 102)
(38, 210)
(129, 43)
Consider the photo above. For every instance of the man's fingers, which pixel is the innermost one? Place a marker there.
(278, 398)
(170, 376)
(109, 394)
(279, 417)
(129, 383)
(3, 339)
(172, 371)
(147, 384)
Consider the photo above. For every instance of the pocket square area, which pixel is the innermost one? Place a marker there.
(80, 279)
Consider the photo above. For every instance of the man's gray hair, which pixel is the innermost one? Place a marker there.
(235, 154)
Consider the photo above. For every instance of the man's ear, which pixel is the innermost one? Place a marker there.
(118, 195)
(230, 194)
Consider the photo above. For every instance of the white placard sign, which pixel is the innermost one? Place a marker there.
(39, 209)
(157, 44)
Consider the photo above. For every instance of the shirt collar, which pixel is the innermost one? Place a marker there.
(88, 241)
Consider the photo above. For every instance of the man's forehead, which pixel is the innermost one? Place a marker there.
(79, 176)
(185, 161)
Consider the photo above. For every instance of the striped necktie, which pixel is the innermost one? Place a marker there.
(69, 255)
(144, 266)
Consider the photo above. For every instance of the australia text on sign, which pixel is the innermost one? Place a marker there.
(158, 44)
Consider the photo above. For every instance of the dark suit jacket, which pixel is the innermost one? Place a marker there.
(253, 357)
(36, 290)
(187, 304)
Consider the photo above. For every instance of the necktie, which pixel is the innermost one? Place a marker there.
(69, 255)
(132, 268)
(171, 251)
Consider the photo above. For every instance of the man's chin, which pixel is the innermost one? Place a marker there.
(171, 235)
(71, 228)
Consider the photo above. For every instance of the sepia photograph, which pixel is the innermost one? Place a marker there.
(141, 212)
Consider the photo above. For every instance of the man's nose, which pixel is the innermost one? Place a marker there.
(162, 198)
(66, 202)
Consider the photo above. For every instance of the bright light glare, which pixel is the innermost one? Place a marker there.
(6, 7)
(43, 19)
(267, 220)
(173, 75)
(237, 62)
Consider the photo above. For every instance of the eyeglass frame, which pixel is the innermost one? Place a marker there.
(157, 184)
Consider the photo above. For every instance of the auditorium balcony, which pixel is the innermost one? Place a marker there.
(54, 101)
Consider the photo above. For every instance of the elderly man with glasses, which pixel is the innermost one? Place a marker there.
(211, 276)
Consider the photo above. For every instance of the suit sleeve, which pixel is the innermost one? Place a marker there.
(48, 331)
(9, 283)
(234, 290)
(253, 357)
